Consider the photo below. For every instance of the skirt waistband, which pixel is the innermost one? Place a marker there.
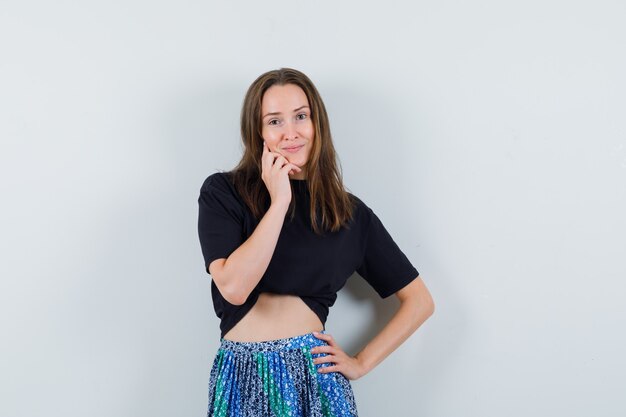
(295, 342)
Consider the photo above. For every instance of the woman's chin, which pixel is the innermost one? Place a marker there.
(298, 162)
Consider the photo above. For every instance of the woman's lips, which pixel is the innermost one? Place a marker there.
(293, 150)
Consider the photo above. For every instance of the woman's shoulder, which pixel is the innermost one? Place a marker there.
(361, 209)
(220, 184)
(360, 204)
(220, 179)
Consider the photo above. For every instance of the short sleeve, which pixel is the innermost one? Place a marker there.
(220, 219)
(384, 266)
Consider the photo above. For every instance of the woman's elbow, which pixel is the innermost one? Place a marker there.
(429, 306)
(225, 285)
(424, 301)
(427, 302)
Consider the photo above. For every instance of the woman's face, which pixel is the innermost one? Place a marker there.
(286, 122)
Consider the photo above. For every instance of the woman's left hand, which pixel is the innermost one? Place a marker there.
(349, 366)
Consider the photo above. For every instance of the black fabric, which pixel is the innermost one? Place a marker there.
(304, 264)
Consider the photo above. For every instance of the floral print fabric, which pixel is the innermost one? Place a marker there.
(276, 378)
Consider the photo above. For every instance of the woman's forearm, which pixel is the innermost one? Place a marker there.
(407, 319)
(244, 268)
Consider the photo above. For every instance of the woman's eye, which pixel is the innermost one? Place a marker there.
(271, 122)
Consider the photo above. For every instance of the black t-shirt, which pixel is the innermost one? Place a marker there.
(304, 264)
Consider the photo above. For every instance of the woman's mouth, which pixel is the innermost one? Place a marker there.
(294, 150)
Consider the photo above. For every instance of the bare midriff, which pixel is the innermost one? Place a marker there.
(275, 316)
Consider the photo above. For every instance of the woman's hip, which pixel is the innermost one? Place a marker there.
(275, 378)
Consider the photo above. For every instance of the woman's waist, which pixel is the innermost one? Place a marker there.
(275, 316)
(304, 341)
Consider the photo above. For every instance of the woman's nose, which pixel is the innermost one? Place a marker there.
(290, 130)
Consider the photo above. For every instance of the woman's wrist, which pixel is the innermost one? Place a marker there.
(279, 206)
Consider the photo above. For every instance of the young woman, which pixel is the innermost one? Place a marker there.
(280, 236)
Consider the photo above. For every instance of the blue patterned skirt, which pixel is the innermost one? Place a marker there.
(276, 378)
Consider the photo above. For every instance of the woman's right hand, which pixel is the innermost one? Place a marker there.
(275, 170)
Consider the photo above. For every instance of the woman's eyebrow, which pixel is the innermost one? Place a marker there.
(277, 112)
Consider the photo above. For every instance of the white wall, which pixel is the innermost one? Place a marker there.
(489, 137)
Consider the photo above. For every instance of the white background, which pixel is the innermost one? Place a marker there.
(488, 136)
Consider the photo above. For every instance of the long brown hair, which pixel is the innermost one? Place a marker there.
(329, 199)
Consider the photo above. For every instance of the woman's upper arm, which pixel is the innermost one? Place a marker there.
(220, 221)
(416, 290)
